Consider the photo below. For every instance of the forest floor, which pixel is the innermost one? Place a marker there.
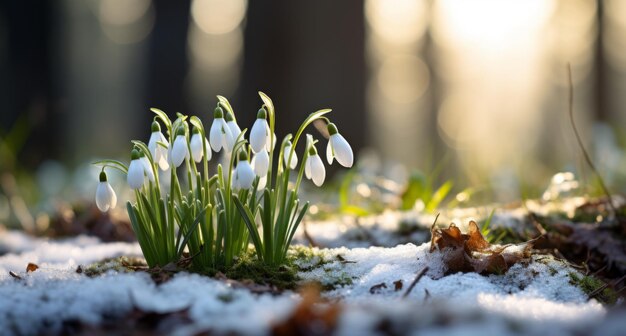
(386, 274)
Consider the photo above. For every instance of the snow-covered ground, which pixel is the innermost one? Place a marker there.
(532, 299)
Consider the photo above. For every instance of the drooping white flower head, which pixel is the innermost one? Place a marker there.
(338, 148)
(197, 151)
(294, 157)
(220, 135)
(179, 148)
(244, 174)
(261, 163)
(314, 167)
(147, 167)
(136, 171)
(232, 126)
(159, 153)
(105, 195)
(260, 132)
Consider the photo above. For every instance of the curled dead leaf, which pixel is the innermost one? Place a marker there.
(31, 267)
(472, 253)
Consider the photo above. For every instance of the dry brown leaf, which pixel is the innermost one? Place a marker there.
(31, 267)
(309, 318)
(397, 285)
(472, 253)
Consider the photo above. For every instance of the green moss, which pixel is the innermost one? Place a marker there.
(333, 283)
(119, 264)
(248, 267)
(590, 284)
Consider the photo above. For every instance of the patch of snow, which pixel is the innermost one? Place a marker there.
(532, 299)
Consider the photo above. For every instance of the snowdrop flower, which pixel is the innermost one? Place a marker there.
(159, 153)
(338, 148)
(220, 135)
(294, 157)
(232, 126)
(105, 195)
(314, 167)
(147, 167)
(197, 151)
(244, 174)
(136, 171)
(260, 132)
(179, 148)
(261, 163)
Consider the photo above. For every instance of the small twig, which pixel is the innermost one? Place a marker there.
(307, 236)
(580, 142)
(13, 274)
(417, 278)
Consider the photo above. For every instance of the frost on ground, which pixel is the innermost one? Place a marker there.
(368, 283)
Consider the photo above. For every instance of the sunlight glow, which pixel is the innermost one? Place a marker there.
(218, 16)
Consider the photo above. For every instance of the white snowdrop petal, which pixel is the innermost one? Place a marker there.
(342, 149)
(209, 153)
(329, 152)
(262, 183)
(318, 171)
(307, 168)
(258, 135)
(179, 150)
(147, 168)
(159, 153)
(234, 129)
(196, 147)
(152, 143)
(215, 135)
(294, 157)
(103, 197)
(245, 174)
(261, 163)
(135, 174)
(235, 182)
(228, 139)
(112, 196)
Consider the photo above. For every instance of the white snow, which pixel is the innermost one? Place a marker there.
(529, 299)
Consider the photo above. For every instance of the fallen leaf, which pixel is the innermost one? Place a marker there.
(397, 285)
(378, 288)
(472, 253)
(13, 274)
(31, 267)
(311, 316)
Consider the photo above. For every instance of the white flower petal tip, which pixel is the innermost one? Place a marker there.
(261, 163)
(317, 170)
(244, 175)
(294, 157)
(341, 150)
(179, 150)
(105, 195)
(259, 135)
(136, 173)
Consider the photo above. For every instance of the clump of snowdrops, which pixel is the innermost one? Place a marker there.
(180, 206)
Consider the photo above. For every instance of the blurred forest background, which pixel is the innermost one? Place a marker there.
(478, 87)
